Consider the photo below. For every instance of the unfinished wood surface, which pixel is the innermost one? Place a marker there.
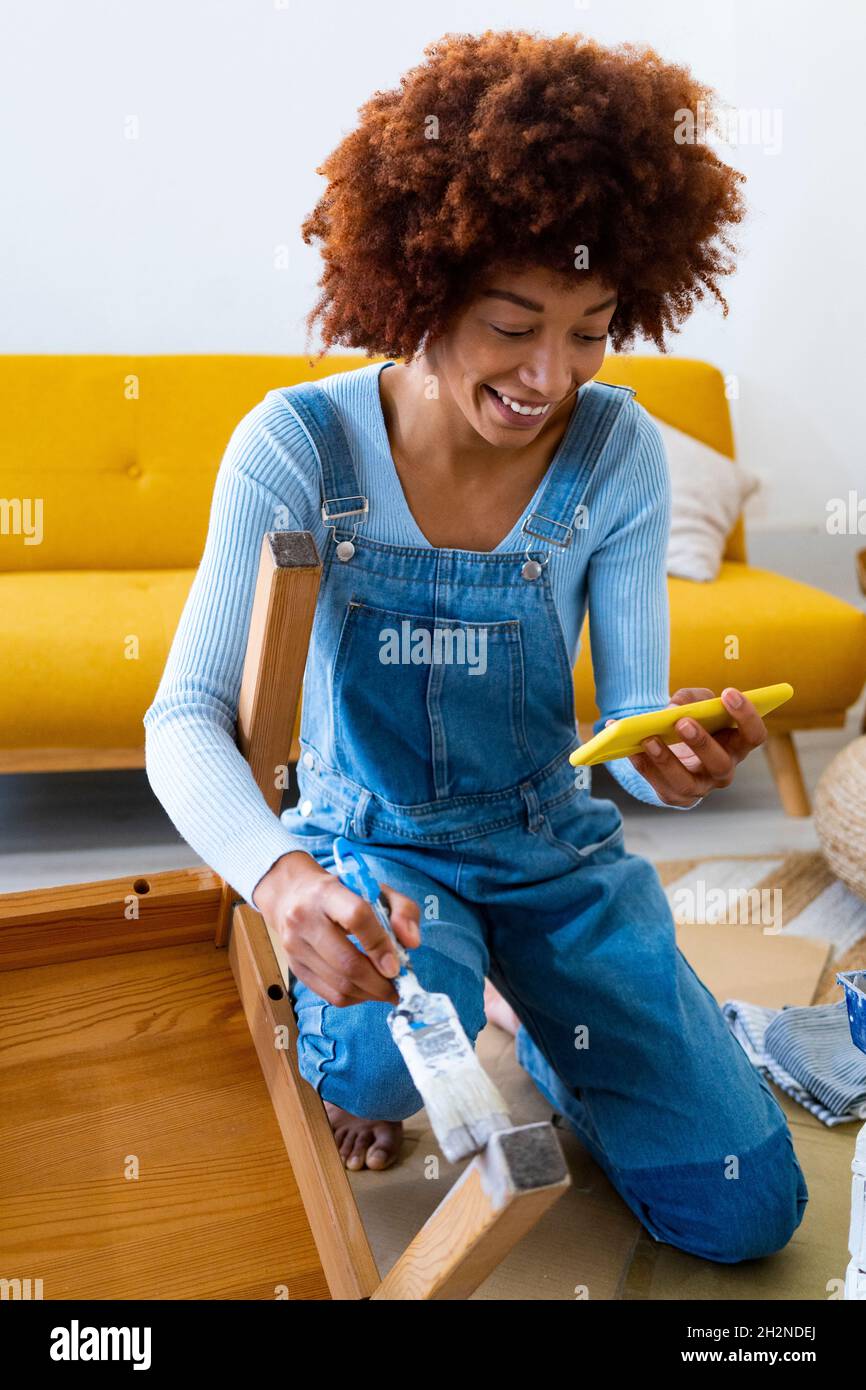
(322, 1180)
(785, 767)
(139, 1153)
(499, 1196)
(79, 920)
(281, 621)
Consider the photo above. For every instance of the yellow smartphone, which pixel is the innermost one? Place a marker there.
(622, 739)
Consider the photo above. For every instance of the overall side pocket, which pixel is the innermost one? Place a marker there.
(561, 829)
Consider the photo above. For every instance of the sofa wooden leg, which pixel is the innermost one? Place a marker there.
(785, 767)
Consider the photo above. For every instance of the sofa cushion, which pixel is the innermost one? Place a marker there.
(64, 638)
(785, 630)
(70, 683)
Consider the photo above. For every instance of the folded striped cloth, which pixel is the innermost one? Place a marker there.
(809, 1054)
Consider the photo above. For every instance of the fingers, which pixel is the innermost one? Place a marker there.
(405, 916)
(688, 694)
(751, 731)
(351, 977)
(676, 784)
(682, 772)
(326, 985)
(357, 918)
(330, 987)
(704, 763)
(720, 753)
(672, 777)
(713, 757)
(318, 944)
(315, 919)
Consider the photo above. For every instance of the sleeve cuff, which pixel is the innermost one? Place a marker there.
(255, 864)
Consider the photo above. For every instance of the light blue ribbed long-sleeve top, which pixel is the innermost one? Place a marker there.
(263, 484)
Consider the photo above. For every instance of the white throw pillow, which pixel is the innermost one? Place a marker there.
(708, 491)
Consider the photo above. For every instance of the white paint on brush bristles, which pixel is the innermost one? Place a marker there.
(463, 1105)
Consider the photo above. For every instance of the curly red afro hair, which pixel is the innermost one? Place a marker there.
(514, 148)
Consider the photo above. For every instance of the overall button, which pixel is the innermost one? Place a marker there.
(308, 760)
(306, 808)
(531, 570)
(345, 550)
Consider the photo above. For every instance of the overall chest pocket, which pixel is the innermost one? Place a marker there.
(428, 708)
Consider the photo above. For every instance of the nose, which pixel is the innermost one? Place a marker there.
(548, 373)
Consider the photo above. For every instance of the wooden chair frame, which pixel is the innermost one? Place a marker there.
(500, 1194)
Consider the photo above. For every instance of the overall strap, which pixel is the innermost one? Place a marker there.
(338, 481)
(560, 511)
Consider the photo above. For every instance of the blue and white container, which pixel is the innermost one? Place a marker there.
(854, 984)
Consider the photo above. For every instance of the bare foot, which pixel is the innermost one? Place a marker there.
(498, 1011)
(370, 1143)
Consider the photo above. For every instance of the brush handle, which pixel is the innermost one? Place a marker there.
(355, 874)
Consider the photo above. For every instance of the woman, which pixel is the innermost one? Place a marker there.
(516, 204)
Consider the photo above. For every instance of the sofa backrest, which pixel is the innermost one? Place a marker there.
(109, 462)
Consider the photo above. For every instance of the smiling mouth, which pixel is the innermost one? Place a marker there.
(517, 407)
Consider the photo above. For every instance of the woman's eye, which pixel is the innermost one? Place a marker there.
(523, 332)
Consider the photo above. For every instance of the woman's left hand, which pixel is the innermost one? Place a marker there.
(682, 773)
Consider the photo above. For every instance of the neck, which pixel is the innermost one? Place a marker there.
(429, 427)
(433, 431)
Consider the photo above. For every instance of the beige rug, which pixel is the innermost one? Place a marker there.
(590, 1246)
(815, 904)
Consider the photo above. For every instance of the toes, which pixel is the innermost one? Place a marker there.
(385, 1147)
(351, 1135)
(379, 1157)
(349, 1141)
(345, 1141)
(362, 1140)
(363, 1143)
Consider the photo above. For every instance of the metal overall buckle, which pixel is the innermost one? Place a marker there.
(345, 549)
(532, 568)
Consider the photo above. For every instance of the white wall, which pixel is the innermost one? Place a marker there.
(165, 243)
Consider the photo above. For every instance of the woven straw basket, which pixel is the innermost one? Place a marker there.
(840, 815)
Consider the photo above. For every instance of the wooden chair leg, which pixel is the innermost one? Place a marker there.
(496, 1200)
(284, 606)
(322, 1180)
(785, 767)
(500, 1196)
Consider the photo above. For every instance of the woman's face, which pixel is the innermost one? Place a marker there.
(517, 354)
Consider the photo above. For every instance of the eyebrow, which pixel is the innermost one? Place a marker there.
(539, 308)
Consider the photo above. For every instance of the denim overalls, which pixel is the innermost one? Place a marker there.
(438, 716)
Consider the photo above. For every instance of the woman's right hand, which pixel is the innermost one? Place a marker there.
(313, 914)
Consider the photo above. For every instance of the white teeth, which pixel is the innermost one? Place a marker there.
(522, 409)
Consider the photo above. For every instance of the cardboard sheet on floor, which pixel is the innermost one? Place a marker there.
(743, 962)
(589, 1246)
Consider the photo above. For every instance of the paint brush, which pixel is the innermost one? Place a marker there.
(463, 1105)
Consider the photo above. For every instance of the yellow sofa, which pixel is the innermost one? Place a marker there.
(107, 465)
